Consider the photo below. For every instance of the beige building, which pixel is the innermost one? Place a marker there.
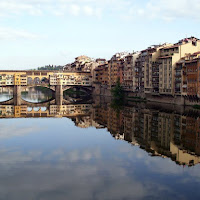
(151, 68)
(169, 56)
(129, 72)
(83, 79)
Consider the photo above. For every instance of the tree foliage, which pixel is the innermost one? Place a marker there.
(50, 67)
(117, 91)
(118, 97)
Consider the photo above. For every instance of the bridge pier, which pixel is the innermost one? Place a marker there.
(17, 95)
(59, 100)
(59, 95)
(17, 90)
(59, 90)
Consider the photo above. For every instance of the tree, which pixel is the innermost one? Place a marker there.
(117, 91)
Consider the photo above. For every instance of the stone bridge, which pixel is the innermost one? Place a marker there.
(57, 81)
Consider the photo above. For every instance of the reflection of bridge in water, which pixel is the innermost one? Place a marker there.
(52, 110)
(55, 107)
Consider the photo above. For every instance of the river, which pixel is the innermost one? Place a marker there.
(93, 150)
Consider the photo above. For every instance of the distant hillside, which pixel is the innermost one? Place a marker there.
(50, 67)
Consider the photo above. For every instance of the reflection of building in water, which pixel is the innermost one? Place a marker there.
(70, 110)
(159, 133)
(6, 110)
(8, 90)
(85, 122)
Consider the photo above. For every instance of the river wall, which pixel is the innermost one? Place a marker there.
(101, 90)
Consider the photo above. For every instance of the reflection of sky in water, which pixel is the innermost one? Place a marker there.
(5, 96)
(53, 159)
(36, 96)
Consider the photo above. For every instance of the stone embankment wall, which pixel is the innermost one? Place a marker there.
(101, 90)
(177, 100)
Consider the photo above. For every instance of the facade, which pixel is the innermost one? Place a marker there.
(187, 75)
(34, 78)
(192, 64)
(83, 64)
(82, 79)
(169, 57)
(101, 74)
(116, 68)
(138, 81)
(151, 69)
(129, 72)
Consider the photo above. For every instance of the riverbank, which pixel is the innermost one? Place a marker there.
(141, 97)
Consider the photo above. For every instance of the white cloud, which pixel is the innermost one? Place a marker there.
(130, 9)
(75, 10)
(88, 10)
(165, 10)
(10, 33)
(61, 7)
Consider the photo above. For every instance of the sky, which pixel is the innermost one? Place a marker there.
(35, 33)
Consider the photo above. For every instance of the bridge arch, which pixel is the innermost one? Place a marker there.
(29, 109)
(86, 90)
(36, 81)
(7, 102)
(29, 81)
(44, 80)
(51, 88)
(37, 103)
(36, 109)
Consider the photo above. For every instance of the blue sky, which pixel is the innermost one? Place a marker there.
(39, 32)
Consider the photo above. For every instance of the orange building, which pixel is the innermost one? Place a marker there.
(101, 74)
(192, 64)
(116, 69)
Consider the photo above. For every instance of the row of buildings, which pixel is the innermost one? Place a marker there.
(166, 70)
(53, 78)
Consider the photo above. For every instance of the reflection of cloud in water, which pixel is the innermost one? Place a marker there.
(75, 176)
(10, 157)
(13, 129)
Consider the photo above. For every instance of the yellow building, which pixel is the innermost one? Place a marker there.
(169, 56)
(151, 68)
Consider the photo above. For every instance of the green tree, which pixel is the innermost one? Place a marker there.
(118, 97)
(117, 91)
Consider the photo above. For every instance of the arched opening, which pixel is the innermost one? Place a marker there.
(36, 81)
(43, 109)
(29, 109)
(6, 94)
(29, 81)
(37, 94)
(44, 80)
(36, 109)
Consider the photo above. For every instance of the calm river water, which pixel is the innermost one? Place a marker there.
(94, 150)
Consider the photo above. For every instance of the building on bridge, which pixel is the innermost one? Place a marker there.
(39, 78)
